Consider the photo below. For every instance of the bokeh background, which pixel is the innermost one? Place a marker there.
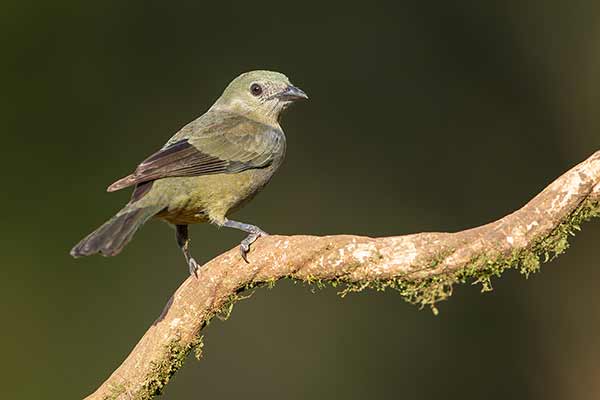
(424, 116)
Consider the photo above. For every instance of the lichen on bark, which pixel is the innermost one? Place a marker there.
(422, 267)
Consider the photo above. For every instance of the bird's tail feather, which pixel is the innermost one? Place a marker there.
(113, 235)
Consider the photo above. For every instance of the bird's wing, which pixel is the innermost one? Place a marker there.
(221, 144)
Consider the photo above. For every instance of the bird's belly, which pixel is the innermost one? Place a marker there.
(210, 197)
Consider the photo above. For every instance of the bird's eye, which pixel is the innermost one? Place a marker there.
(256, 89)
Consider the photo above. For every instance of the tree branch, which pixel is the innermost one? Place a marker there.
(422, 267)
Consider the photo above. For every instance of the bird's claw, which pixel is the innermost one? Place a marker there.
(246, 243)
(193, 266)
(244, 249)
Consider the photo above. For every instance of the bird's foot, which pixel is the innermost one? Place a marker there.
(193, 266)
(251, 238)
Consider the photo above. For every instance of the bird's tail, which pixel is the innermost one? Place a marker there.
(111, 237)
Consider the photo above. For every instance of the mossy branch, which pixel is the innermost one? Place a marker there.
(422, 267)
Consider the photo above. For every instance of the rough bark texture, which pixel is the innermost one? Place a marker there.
(422, 267)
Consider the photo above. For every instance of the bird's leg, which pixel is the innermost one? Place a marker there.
(183, 241)
(254, 233)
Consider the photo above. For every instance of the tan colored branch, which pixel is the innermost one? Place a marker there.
(422, 267)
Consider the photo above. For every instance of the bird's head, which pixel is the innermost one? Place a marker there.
(260, 95)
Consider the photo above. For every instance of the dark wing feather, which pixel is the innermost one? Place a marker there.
(228, 147)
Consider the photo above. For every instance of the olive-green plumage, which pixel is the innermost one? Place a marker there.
(208, 169)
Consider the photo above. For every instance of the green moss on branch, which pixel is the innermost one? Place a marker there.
(175, 355)
(422, 292)
(484, 267)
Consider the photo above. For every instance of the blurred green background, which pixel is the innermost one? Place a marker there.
(423, 116)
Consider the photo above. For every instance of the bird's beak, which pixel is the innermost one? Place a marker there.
(292, 93)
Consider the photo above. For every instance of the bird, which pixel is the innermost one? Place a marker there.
(209, 169)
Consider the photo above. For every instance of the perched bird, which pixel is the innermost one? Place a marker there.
(207, 170)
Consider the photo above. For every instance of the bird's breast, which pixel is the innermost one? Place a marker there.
(210, 197)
